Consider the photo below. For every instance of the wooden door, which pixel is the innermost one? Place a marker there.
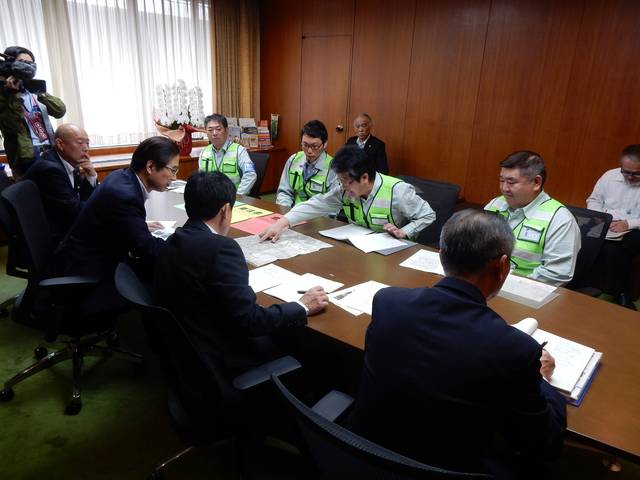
(324, 89)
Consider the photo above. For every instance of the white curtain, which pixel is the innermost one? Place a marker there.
(22, 24)
(121, 50)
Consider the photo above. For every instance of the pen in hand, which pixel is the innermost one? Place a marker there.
(543, 344)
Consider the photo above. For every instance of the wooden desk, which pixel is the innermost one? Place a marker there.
(609, 417)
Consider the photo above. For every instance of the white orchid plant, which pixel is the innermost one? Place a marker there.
(177, 106)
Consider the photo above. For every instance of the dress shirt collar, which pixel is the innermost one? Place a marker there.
(210, 228)
(145, 193)
(67, 166)
(462, 286)
(362, 143)
(224, 147)
(377, 183)
(320, 157)
(527, 210)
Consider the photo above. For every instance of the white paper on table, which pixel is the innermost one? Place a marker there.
(425, 261)
(269, 276)
(344, 232)
(358, 297)
(289, 291)
(526, 291)
(374, 241)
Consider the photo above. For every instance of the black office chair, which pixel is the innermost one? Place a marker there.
(442, 197)
(16, 265)
(260, 161)
(214, 412)
(593, 230)
(339, 453)
(53, 303)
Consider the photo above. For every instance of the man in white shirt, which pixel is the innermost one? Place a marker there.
(618, 192)
(65, 177)
(547, 235)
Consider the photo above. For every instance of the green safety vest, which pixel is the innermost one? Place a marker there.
(530, 234)
(316, 184)
(228, 166)
(379, 213)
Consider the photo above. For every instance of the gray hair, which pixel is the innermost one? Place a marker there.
(365, 115)
(471, 238)
(529, 163)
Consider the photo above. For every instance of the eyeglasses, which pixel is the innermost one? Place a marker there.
(173, 170)
(314, 148)
(627, 173)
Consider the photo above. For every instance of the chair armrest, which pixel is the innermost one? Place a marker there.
(332, 405)
(263, 373)
(69, 280)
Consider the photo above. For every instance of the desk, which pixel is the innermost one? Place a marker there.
(609, 417)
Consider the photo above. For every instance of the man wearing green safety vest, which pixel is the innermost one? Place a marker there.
(368, 198)
(547, 235)
(226, 156)
(307, 173)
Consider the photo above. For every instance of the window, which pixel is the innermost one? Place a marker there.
(121, 49)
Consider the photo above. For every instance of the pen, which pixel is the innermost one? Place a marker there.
(543, 344)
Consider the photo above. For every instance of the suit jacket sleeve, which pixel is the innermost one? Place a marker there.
(57, 194)
(231, 280)
(128, 216)
(537, 419)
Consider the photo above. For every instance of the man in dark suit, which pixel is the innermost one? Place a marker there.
(372, 146)
(445, 380)
(111, 227)
(65, 177)
(202, 278)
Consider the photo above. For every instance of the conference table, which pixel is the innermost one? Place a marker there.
(609, 416)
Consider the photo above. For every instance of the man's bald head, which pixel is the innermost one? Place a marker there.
(72, 143)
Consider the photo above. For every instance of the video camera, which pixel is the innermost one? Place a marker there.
(24, 71)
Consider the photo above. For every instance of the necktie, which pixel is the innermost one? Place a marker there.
(309, 170)
(76, 180)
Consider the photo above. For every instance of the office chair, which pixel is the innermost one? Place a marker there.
(205, 408)
(260, 161)
(593, 230)
(341, 454)
(53, 303)
(16, 266)
(442, 197)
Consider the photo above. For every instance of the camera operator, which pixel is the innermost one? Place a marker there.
(24, 110)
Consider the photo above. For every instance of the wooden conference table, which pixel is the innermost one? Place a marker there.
(609, 417)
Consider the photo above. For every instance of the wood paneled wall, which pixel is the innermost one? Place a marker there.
(456, 85)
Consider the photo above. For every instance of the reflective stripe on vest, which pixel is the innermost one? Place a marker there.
(228, 166)
(379, 213)
(530, 234)
(316, 184)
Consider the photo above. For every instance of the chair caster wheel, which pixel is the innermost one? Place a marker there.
(73, 408)
(40, 352)
(6, 394)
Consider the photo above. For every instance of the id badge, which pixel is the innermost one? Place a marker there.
(315, 186)
(530, 234)
(379, 220)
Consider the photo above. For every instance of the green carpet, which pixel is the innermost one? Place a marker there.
(123, 429)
